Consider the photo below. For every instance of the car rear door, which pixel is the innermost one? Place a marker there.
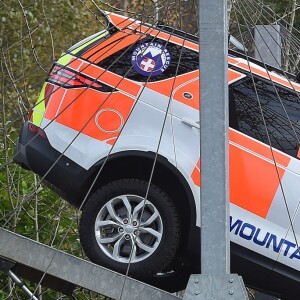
(265, 170)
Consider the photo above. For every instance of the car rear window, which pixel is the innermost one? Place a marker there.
(182, 60)
(278, 107)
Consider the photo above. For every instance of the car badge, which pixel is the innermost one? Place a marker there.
(150, 59)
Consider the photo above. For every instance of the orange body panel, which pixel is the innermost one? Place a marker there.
(75, 63)
(233, 76)
(122, 22)
(185, 83)
(259, 148)
(193, 88)
(168, 37)
(98, 115)
(248, 175)
(54, 102)
(196, 174)
(168, 88)
(232, 60)
(110, 46)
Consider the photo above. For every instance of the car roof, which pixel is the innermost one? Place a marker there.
(237, 60)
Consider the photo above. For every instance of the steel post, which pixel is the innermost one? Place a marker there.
(215, 248)
(215, 282)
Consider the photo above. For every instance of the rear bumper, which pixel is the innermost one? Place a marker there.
(68, 179)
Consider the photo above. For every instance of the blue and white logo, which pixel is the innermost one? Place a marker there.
(150, 59)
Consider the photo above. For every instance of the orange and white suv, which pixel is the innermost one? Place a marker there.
(121, 109)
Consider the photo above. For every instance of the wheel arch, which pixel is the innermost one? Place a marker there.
(138, 164)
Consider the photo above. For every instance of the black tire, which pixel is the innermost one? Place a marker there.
(168, 222)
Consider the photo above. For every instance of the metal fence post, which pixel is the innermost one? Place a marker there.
(215, 248)
(215, 282)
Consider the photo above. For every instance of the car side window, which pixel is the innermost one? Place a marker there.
(278, 113)
(121, 61)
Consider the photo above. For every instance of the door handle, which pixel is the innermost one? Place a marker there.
(191, 123)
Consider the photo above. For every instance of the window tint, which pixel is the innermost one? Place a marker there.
(280, 108)
(120, 62)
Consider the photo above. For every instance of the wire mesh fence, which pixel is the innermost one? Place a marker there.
(36, 34)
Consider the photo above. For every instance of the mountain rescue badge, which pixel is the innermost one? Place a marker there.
(150, 59)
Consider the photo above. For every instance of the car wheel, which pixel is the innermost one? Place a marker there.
(119, 227)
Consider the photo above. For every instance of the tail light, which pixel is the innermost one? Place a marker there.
(68, 78)
(30, 114)
(37, 130)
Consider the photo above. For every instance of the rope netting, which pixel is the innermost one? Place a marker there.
(35, 34)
